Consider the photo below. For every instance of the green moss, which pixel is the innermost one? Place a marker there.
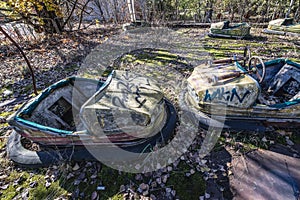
(295, 60)
(25, 178)
(7, 87)
(278, 138)
(109, 178)
(4, 125)
(71, 68)
(3, 142)
(117, 197)
(27, 88)
(2, 90)
(52, 192)
(295, 138)
(220, 144)
(9, 193)
(186, 187)
(112, 180)
(151, 57)
(16, 107)
(6, 114)
(15, 175)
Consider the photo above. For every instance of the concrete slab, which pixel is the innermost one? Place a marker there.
(263, 174)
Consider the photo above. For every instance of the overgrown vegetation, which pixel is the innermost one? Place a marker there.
(212, 10)
(53, 16)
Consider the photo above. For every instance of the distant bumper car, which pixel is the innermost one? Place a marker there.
(227, 30)
(135, 24)
(260, 97)
(285, 26)
(126, 111)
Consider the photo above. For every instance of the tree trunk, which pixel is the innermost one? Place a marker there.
(289, 10)
(51, 22)
(116, 12)
(131, 10)
(267, 11)
(209, 11)
(67, 21)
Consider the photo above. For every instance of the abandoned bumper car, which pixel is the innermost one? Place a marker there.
(228, 30)
(260, 97)
(285, 26)
(126, 111)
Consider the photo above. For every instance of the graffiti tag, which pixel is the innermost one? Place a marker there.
(129, 88)
(225, 95)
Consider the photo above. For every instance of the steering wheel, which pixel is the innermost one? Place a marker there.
(247, 55)
(259, 70)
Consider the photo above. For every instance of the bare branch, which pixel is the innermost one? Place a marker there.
(71, 13)
(24, 56)
(81, 13)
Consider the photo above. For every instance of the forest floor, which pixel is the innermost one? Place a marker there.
(212, 177)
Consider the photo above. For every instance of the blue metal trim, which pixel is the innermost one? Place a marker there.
(28, 109)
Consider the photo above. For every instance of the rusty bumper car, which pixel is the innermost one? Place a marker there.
(125, 110)
(226, 29)
(285, 26)
(257, 97)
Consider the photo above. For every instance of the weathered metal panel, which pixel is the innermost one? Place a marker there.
(240, 91)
